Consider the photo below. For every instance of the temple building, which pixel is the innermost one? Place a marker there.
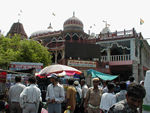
(124, 53)
(70, 46)
(17, 28)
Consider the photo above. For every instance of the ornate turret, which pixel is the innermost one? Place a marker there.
(106, 29)
(73, 23)
(17, 28)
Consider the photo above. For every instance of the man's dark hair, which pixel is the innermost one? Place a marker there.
(83, 80)
(131, 78)
(136, 91)
(71, 81)
(32, 79)
(110, 86)
(2, 96)
(123, 85)
(18, 79)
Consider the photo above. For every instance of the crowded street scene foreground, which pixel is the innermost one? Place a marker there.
(59, 94)
(71, 71)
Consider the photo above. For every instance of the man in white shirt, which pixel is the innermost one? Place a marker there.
(54, 95)
(84, 91)
(84, 88)
(78, 96)
(108, 99)
(123, 91)
(79, 90)
(14, 95)
(30, 97)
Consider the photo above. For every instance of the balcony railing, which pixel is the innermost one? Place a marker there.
(116, 58)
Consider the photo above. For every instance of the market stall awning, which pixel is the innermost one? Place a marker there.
(101, 75)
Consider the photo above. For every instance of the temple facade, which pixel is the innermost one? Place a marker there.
(123, 53)
(126, 52)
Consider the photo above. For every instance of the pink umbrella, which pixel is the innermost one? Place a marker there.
(58, 68)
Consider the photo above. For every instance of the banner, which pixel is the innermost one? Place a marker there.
(3, 77)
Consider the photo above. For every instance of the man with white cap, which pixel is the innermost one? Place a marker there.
(54, 95)
(79, 90)
(78, 96)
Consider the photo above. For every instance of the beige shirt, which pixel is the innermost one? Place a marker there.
(94, 96)
(14, 92)
(71, 96)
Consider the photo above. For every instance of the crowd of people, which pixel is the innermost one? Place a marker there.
(101, 97)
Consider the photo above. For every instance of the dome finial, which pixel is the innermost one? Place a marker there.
(50, 26)
(73, 14)
(106, 24)
(19, 15)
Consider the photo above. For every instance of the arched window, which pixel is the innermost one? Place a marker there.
(75, 37)
(67, 37)
(59, 56)
(53, 57)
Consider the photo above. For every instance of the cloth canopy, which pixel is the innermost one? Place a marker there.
(101, 75)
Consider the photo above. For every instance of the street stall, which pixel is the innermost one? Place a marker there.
(104, 77)
(62, 71)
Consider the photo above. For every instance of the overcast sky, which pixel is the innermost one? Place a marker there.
(37, 14)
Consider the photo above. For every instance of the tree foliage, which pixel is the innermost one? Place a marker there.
(16, 50)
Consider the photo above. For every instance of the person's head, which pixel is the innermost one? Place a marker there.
(105, 83)
(70, 81)
(82, 82)
(110, 87)
(123, 85)
(142, 82)
(131, 78)
(2, 96)
(95, 82)
(53, 78)
(18, 79)
(135, 95)
(32, 80)
(76, 83)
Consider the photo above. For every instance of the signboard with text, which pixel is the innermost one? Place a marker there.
(81, 63)
(25, 65)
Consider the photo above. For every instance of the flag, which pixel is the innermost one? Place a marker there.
(20, 11)
(53, 14)
(108, 25)
(141, 21)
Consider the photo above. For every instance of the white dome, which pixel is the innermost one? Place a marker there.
(105, 30)
(40, 32)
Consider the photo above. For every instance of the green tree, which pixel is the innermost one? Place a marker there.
(16, 50)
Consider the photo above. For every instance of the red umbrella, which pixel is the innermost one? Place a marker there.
(58, 68)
